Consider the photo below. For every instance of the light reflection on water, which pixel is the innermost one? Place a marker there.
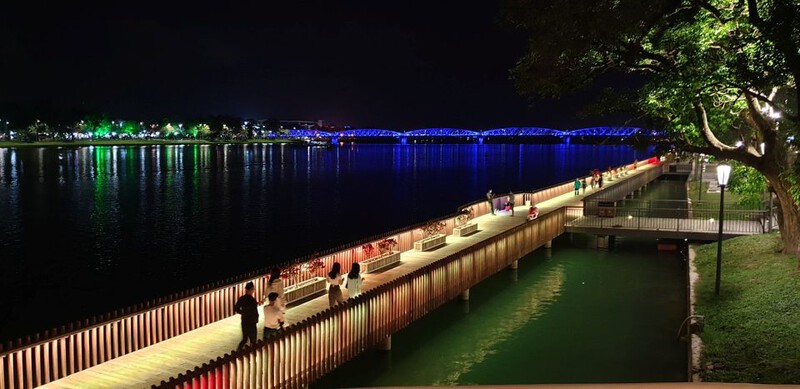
(528, 306)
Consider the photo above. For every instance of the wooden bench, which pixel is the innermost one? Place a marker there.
(430, 242)
(379, 262)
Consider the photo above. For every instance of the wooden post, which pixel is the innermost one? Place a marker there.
(386, 343)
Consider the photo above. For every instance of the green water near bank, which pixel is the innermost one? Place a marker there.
(568, 315)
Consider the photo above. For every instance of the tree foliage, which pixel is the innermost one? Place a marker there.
(719, 75)
(749, 184)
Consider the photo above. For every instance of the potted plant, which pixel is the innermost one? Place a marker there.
(433, 229)
(464, 216)
(368, 249)
(387, 245)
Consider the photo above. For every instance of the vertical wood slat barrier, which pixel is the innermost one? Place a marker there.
(79, 346)
(307, 350)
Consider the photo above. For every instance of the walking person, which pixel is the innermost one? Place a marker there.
(600, 182)
(354, 281)
(510, 203)
(583, 185)
(334, 285)
(247, 306)
(489, 198)
(273, 316)
(275, 285)
(577, 186)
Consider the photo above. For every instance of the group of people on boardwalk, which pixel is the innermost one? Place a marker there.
(595, 182)
(275, 307)
(509, 203)
(352, 282)
(533, 211)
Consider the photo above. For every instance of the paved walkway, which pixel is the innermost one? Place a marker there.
(151, 365)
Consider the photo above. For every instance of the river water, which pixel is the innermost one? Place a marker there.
(570, 314)
(89, 229)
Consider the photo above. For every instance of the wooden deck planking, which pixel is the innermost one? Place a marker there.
(158, 362)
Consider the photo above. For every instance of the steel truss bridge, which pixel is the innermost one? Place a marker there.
(594, 132)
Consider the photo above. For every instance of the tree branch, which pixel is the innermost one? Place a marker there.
(710, 8)
(755, 113)
(761, 97)
(753, 16)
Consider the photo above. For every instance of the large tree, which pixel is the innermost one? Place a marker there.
(714, 73)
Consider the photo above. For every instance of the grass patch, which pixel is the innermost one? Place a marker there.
(135, 142)
(752, 329)
(709, 201)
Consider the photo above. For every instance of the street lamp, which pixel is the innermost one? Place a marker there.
(723, 174)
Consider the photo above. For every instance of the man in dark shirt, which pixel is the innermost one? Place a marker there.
(247, 306)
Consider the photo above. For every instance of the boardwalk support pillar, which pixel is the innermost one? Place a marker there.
(464, 296)
(549, 244)
(606, 241)
(514, 265)
(386, 344)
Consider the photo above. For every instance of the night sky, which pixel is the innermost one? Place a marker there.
(380, 64)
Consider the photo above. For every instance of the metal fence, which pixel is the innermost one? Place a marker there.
(737, 222)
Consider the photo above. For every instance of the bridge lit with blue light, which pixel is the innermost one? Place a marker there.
(619, 133)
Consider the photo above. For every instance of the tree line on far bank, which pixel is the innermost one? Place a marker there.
(104, 127)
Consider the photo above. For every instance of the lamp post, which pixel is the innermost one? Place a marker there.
(723, 174)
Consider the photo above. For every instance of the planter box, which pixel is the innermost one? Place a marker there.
(430, 242)
(304, 289)
(466, 229)
(379, 262)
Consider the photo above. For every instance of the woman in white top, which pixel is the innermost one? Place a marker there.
(276, 285)
(354, 281)
(334, 285)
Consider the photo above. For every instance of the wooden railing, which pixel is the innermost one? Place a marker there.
(54, 354)
(307, 350)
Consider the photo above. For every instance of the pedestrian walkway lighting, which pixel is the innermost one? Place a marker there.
(723, 174)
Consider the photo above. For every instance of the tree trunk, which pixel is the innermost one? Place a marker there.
(789, 215)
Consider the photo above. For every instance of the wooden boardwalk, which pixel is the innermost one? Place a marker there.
(158, 362)
(662, 227)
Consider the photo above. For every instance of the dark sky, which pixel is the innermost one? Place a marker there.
(383, 64)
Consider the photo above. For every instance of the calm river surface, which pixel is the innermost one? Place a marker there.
(89, 229)
(573, 314)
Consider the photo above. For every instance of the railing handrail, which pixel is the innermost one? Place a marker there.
(693, 203)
